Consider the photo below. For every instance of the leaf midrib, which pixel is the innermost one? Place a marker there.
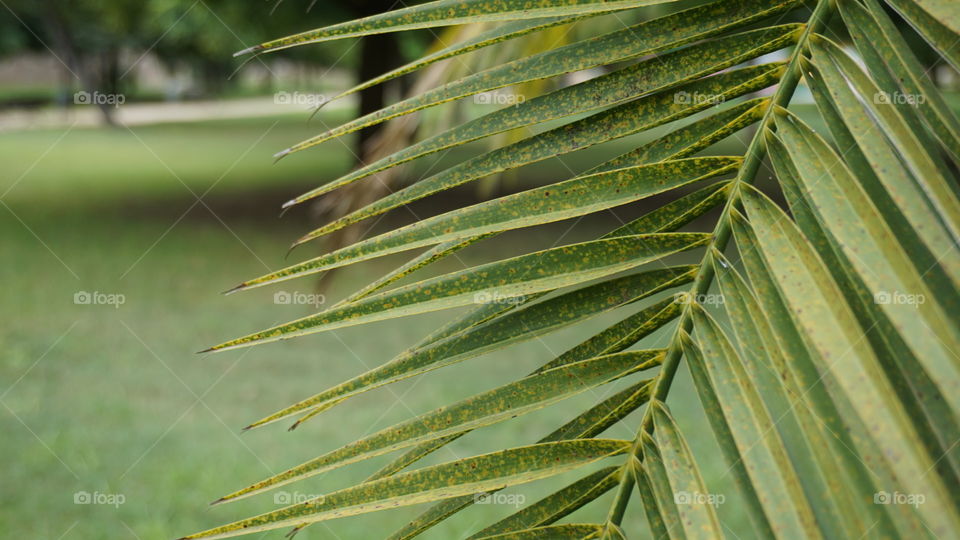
(753, 157)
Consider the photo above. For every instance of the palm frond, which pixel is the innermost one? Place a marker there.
(828, 371)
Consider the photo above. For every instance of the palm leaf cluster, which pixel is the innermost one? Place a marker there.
(829, 375)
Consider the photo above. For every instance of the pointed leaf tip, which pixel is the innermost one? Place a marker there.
(232, 290)
(248, 50)
(302, 240)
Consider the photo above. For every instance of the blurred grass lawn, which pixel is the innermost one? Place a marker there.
(114, 400)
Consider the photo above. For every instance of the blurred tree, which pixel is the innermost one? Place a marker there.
(87, 36)
(14, 37)
(91, 36)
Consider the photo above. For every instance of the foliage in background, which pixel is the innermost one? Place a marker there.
(99, 42)
(827, 368)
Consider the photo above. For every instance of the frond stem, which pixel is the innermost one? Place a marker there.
(753, 158)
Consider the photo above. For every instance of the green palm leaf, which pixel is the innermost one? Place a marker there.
(557, 505)
(472, 475)
(449, 12)
(514, 327)
(493, 282)
(631, 42)
(497, 405)
(659, 72)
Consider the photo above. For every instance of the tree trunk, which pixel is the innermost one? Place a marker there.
(64, 43)
(378, 55)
